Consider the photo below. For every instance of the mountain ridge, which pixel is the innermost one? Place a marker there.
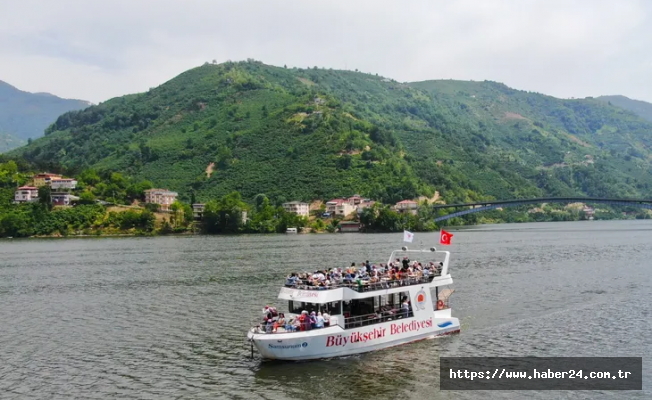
(639, 107)
(320, 133)
(25, 115)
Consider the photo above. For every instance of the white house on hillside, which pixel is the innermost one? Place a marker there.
(163, 197)
(297, 207)
(63, 183)
(26, 194)
(410, 206)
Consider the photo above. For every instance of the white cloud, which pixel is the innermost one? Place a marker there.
(96, 50)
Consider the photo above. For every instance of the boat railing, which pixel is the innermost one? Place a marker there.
(368, 286)
(376, 318)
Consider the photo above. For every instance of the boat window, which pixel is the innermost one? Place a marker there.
(352, 308)
(333, 308)
(295, 307)
(377, 309)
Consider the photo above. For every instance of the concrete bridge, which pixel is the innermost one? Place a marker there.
(492, 205)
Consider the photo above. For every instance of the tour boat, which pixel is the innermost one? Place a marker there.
(363, 316)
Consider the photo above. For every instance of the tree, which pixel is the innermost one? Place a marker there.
(152, 207)
(45, 196)
(175, 208)
(188, 215)
(147, 220)
(14, 224)
(137, 191)
(224, 215)
(263, 221)
(224, 157)
(89, 177)
(118, 180)
(86, 198)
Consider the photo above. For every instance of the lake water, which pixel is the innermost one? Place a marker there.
(166, 317)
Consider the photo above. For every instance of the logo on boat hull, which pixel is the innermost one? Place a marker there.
(420, 300)
(445, 324)
(288, 346)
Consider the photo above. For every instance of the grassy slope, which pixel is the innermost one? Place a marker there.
(284, 132)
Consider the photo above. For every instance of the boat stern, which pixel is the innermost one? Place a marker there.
(446, 325)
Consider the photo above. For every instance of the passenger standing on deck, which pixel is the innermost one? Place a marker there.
(327, 318)
(320, 321)
(304, 320)
(405, 308)
(280, 322)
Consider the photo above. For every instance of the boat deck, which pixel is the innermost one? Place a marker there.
(367, 286)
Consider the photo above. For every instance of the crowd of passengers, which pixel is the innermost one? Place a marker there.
(273, 320)
(365, 274)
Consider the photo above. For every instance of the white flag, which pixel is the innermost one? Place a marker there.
(408, 236)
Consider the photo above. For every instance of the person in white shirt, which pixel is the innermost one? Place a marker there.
(320, 321)
(405, 308)
(327, 318)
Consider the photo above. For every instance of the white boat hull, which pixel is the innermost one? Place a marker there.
(337, 342)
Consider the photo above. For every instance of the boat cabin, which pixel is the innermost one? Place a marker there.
(356, 297)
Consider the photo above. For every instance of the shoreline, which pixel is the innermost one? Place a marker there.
(191, 234)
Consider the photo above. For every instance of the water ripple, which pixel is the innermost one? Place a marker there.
(161, 318)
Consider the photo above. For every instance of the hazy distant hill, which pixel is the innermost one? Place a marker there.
(8, 142)
(641, 108)
(301, 134)
(25, 115)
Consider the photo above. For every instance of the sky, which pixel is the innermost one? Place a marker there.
(99, 49)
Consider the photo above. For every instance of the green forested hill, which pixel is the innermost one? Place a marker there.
(316, 133)
(641, 108)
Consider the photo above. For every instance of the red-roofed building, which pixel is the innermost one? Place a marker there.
(331, 205)
(407, 206)
(339, 207)
(355, 200)
(44, 179)
(366, 203)
(26, 194)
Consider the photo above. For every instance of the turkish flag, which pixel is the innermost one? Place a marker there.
(445, 237)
